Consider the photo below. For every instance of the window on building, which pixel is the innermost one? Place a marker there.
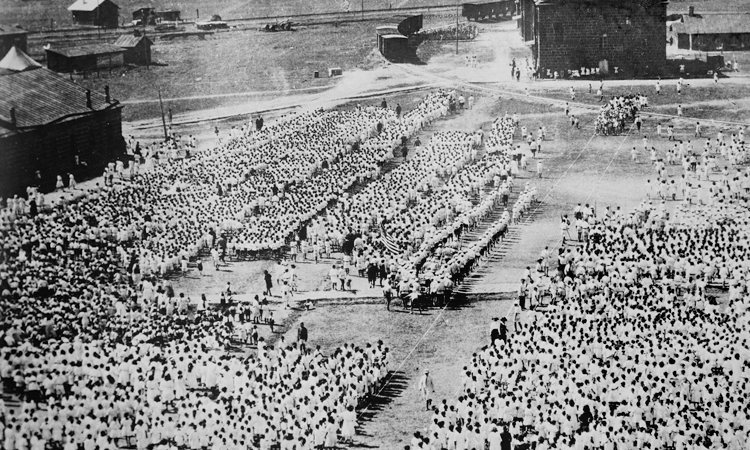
(603, 42)
(627, 20)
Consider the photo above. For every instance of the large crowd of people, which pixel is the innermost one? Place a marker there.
(638, 339)
(101, 350)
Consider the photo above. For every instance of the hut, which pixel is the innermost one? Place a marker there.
(85, 58)
(137, 48)
(103, 13)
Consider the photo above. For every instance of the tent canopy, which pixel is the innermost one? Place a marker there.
(18, 61)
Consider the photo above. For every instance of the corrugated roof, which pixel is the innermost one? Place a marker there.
(82, 50)
(6, 30)
(130, 41)
(87, 5)
(714, 24)
(41, 96)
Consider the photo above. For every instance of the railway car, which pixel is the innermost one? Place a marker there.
(410, 25)
(492, 10)
(211, 25)
(394, 47)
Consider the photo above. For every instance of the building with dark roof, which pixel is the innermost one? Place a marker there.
(168, 16)
(713, 32)
(137, 48)
(626, 37)
(85, 58)
(103, 13)
(51, 126)
(12, 36)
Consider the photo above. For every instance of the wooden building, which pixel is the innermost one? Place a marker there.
(103, 13)
(51, 126)
(623, 37)
(85, 58)
(12, 36)
(713, 32)
(137, 48)
(144, 16)
(168, 16)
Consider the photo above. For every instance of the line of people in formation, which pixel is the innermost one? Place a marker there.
(639, 339)
(424, 204)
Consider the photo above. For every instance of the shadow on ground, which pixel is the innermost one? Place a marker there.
(395, 384)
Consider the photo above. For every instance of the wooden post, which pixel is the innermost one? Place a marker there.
(457, 26)
(163, 122)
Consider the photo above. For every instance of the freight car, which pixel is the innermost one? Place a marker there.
(492, 10)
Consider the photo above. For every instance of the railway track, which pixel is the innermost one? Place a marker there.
(72, 36)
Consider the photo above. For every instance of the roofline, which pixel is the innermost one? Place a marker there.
(114, 105)
(118, 50)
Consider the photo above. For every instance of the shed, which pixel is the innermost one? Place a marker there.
(168, 16)
(103, 13)
(12, 36)
(145, 15)
(85, 58)
(137, 48)
(713, 32)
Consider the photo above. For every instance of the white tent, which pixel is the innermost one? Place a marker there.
(18, 61)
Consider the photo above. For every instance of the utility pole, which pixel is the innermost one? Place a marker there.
(457, 26)
(163, 122)
(363, 9)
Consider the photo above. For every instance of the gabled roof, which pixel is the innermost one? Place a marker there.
(83, 50)
(18, 61)
(7, 30)
(714, 24)
(42, 96)
(130, 41)
(88, 5)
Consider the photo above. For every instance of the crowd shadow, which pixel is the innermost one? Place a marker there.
(397, 382)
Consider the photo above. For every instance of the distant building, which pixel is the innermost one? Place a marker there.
(616, 36)
(168, 16)
(713, 32)
(145, 15)
(137, 48)
(51, 126)
(12, 36)
(85, 58)
(101, 13)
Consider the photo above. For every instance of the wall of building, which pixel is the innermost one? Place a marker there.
(714, 42)
(95, 140)
(107, 15)
(575, 34)
(7, 41)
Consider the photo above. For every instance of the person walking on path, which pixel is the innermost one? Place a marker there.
(269, 283)
(426, 387)
(302, 333)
